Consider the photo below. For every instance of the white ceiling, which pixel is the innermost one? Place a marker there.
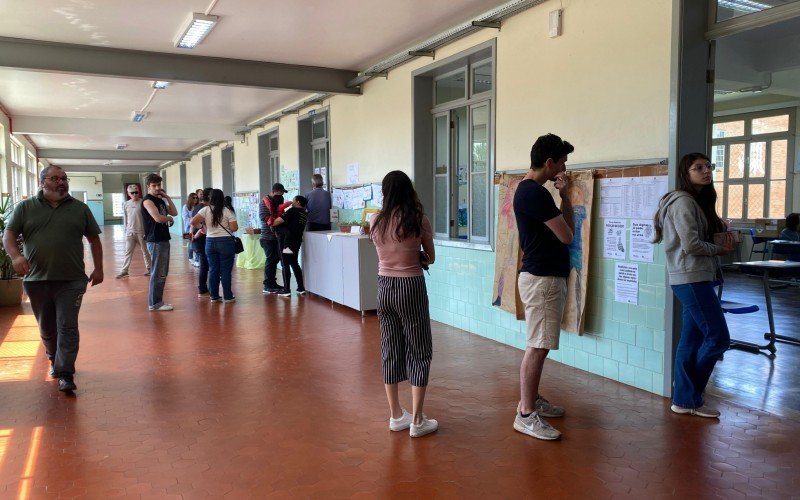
(765, 59)
(341, 34)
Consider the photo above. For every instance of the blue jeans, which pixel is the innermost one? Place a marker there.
(704, 338)
(220, 253)
(56, 305)
(159, 269)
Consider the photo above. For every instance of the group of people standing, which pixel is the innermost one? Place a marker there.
(54, 224)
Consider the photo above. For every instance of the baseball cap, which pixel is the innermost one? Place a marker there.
(278, 187)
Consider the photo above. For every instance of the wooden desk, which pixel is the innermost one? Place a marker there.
(767, 270)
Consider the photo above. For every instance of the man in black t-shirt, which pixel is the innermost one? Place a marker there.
(157, 215)
(544, 235)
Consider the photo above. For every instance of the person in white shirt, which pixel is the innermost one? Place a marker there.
(220, 223)
(134, 231)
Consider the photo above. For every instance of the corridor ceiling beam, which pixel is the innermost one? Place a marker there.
(111, 169)
(95, 154)
(123, 63)
(51, 125)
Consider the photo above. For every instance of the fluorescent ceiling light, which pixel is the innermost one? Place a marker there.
(138, 116)
(122, 146)
(160, 85)
(198, 27)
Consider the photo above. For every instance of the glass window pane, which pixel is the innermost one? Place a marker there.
(728, 129)
(461, 138)
(480, 138)
(718, 159)
(450, 88)
(440, 217)
(778, 159)
(482, 78)
(479, 216)
(777, 199)
(736, 161)
(770, 124)
(442, 145)
(735, 201)
(755, 201)
(273, 143)
(729, 9)
(758, 159)
(318, 129)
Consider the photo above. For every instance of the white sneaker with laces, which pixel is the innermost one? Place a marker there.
(427, 426)
(162, 307)
(402, 423)
(533, 425)
(703, 411)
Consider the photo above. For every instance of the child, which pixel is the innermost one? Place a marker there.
(291, 225)
(281, 231)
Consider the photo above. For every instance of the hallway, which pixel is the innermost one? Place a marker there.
(282, 398)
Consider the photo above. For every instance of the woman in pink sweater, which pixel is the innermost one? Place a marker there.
(399, 231)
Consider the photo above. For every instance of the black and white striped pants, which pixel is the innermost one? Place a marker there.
(405, 322)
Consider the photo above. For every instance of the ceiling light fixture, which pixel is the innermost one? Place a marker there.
(122, 146)
(195, 31)
(138, 116)
(160, 85)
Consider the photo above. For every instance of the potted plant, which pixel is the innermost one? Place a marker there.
(345, 226)
(10, 283)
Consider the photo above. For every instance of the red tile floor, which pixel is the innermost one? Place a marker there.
(275, 398)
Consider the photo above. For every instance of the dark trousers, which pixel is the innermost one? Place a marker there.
(56, 305)
(200, 251)
(316, 226)
(272, 252)
(289, 264)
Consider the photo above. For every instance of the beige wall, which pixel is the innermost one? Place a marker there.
(603, 85)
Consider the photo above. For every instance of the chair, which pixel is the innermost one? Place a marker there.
(734, 307)
(757, 241)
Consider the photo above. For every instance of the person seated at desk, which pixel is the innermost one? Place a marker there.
(792, 230)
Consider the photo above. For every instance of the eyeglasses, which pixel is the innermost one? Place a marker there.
(55, 178)
(706, 166)
(133, 192)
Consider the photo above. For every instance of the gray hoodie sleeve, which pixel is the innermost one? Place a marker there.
(686, 217)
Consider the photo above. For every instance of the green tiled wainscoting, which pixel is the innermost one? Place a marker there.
(622, 342)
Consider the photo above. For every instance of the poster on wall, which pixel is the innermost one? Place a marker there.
(508, 258)
(352, 173)
(641, 246)
(626, 283)
(631, 197)
(614, 232)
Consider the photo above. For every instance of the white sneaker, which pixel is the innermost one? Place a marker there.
(287, 250)
(402, 423)
(703, 411)
(533, 425)
(162, 307)
(426, 427)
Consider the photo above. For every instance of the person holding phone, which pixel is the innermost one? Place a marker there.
(158, 211)
(687, 222)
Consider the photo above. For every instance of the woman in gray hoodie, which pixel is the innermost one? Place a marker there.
(686, 222)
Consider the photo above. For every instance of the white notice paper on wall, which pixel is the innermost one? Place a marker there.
(352, 173)
(642, 233)
(631, 197)
(626, 283)
(614, 239)
(338, 198)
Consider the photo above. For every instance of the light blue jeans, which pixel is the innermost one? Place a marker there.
(704, 338)
(159, 269)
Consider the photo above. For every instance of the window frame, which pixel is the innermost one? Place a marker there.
(748, 139)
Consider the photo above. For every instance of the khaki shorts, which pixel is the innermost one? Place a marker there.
(544, 298)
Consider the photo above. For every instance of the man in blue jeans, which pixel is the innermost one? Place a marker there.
(157, 215)
(269, 242)
(53, 224)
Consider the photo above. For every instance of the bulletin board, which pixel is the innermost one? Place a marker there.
(245, 204)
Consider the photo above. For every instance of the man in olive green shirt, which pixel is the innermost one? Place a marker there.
(53, 225)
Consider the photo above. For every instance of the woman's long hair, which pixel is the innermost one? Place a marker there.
(400, 201)
(706, 197)
(217, 205)
(229, 204)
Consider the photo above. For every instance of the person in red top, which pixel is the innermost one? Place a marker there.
(398, 231)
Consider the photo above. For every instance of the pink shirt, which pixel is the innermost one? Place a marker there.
(400, 259)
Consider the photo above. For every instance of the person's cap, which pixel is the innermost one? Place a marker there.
(278, 187)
